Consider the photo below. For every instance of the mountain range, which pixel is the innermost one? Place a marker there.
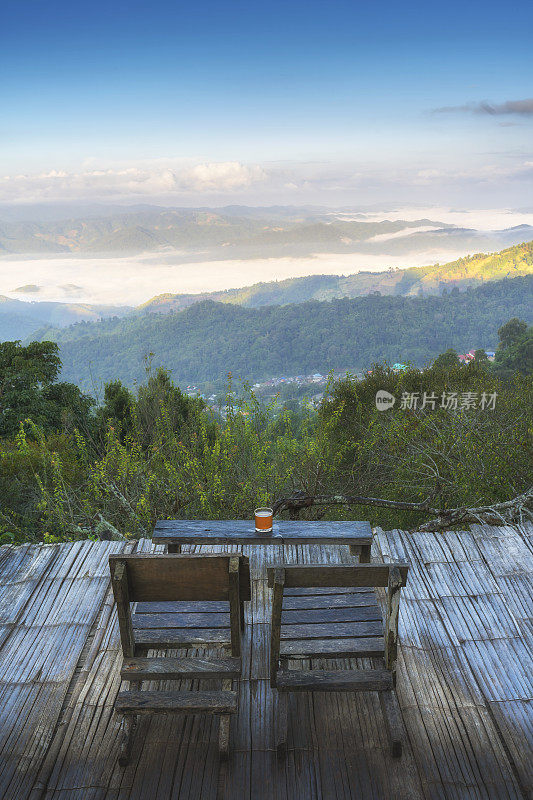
(209, 339)
(240, 232)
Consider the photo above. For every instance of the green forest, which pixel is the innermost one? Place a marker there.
(208, 340)
(457, 436)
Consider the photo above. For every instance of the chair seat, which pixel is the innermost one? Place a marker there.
(167, 626)
(373, 646)
(318, 680)
(340, 630)
(341, 624)
(174, 639)
(180, 619)
(172, 702)
(159, 669)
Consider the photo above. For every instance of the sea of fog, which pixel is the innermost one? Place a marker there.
(486, 219)
(134, 279)
(131, 280)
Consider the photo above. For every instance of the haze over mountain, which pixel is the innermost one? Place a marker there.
(19, 319)
(241, 232)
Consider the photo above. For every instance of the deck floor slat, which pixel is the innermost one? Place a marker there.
(465, 685)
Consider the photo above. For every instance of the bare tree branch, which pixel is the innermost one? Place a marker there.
(300, 500)
(504, 513)
(507, 512)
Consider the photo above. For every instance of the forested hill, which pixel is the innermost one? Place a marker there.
(25, 320)
(468, 271)
(208, 340)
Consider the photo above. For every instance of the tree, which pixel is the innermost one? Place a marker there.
(162, 407)
(23, 371)
(480, 356)
(118, 404)
(36, 364)
(516, 357)
(511, 332)
(28, 390)
(447, 360)
(64, 407)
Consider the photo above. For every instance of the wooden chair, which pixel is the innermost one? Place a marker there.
(331, 612)
(182, 601)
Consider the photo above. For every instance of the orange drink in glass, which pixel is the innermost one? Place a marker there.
(263, 519)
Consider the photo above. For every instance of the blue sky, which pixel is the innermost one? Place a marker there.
(275, 102)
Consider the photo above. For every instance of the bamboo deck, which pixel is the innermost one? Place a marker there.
(465, 685)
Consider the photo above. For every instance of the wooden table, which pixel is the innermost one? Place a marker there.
(175, 532)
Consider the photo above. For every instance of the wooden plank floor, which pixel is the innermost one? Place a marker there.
(465, 685)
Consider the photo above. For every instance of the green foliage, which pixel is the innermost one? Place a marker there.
(64, 407)
(471, 456)
(182, 464)
(162, 409)
(22, 367)
(117, 408)
(462, 434)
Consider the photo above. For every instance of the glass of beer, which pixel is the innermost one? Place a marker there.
(263, 519)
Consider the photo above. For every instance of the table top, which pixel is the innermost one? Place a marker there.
(242, 531)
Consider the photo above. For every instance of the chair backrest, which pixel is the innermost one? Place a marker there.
(181, 577)
(164, 578)
(311, 575)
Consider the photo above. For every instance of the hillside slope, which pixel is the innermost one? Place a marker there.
(208, 340)
(469, 271)
(20, 319)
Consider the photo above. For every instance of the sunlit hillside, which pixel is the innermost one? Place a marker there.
(468, 271)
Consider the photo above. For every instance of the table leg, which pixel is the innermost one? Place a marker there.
(364, 557)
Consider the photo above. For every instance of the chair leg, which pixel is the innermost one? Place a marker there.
(393, 721)
(282, 722)
(223, 731)
(129, 725)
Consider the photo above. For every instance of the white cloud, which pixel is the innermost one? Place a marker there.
(501, 180)
(128, 182)
(221, 176)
